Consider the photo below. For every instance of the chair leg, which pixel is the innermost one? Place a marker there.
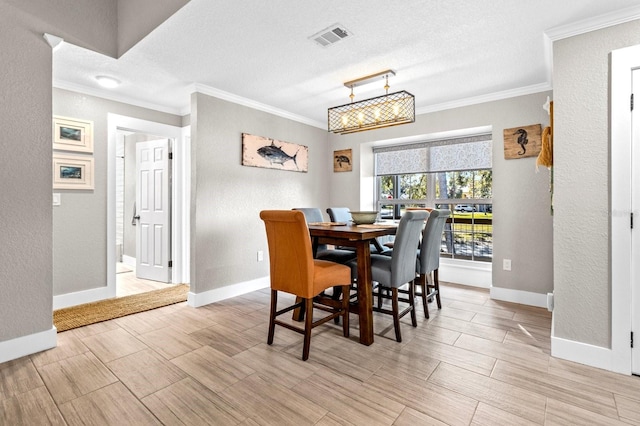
(396, 318)
(272, 316)
(436, 286)
(308, 323)
(345, 309)
(422, 282)
(412, 296)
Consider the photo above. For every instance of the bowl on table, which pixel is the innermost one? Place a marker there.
(361, 218)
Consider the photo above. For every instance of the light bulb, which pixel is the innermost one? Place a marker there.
(360, 117)
(396, 109)
(345, 120)
(377, 114)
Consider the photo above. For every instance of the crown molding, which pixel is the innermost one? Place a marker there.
(117, 97)
(592, 24)
(230, 97)
(496, 96)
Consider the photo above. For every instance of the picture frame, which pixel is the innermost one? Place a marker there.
(342, 160)
(73, 172)
(72, 134)
(260, 151)
(522, 142)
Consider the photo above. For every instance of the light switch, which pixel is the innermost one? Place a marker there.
(56, 198)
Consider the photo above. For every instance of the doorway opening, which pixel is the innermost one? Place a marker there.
(125, 134)
(134, 275)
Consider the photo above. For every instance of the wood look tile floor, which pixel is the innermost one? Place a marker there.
(475, 362)
(127, 283)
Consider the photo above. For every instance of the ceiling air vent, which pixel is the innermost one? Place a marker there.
(331, 35)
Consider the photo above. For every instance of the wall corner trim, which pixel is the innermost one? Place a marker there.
(196, 300)
(27, 345)
(519, 296)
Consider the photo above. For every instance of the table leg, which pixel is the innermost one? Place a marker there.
(365, 293)
(298, 313)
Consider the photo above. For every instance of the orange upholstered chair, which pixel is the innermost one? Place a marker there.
(294, 270)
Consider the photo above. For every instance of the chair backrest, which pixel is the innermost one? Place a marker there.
(339, 214)
(403, 259)
(431, 241)
(311, 214)
(290, 258)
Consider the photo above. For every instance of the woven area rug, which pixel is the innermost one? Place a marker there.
(91, 313)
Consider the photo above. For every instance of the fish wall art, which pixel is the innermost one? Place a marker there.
(259, 151)
(521, 142)
(342, 160)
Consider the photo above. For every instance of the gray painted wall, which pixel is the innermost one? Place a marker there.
(581, 155)
(228, 197)
(80, 222)
(86, 23)
(137, 18)
(25, 177)
(523, 226)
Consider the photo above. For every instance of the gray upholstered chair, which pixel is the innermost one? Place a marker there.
(343, 214)
(314, 214)
(339, 214)
(429, 259)
(393, 272)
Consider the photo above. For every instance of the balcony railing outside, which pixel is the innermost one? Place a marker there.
(468, 238)
(468, 233)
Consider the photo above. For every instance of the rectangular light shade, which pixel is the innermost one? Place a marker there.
(374, 113)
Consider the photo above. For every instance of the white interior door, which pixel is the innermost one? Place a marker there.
(635, 236)
(153, 210)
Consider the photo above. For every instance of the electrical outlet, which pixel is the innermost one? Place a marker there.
(506, 264)
(260, 255)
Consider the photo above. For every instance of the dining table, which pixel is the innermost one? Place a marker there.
(360, 237)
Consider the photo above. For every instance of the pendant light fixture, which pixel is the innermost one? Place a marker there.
(390, 109)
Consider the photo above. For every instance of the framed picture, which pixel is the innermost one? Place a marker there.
(521, 142)
(72, 172)
(258, 151)
(72, 134)
(342, 161)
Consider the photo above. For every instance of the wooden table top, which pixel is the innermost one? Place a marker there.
(352, 232)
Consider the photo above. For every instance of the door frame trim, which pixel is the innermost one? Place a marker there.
(623, 61)
(180, 190)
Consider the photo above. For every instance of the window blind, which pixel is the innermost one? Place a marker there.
(467, 153)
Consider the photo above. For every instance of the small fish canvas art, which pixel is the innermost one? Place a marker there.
(259, 151)
(342, 161)
(521, 142)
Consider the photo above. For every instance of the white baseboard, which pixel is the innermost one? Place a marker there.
(85, 296)
(475, 274)
(27, 345)
(519, 296)
(196, 300)
(583, 353)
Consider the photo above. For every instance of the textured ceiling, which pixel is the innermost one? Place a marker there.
(444, 52)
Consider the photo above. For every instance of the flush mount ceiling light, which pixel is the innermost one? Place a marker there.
(108, 82)
(390, 109)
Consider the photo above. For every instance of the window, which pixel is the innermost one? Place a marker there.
(453, 174)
